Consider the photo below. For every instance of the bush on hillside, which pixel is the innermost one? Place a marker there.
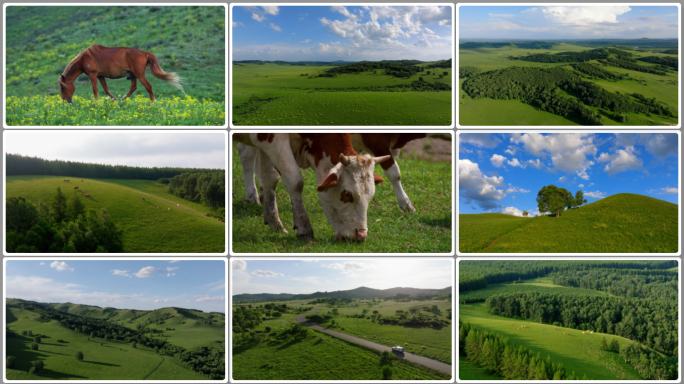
(11, 361)
(79, 356)
(34, 346)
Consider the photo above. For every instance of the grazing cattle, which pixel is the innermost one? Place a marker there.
(81, 180)
(518, 327)
(157, 207)
(75, 187)
(143, 199)
(87, 195)
(169, 209)
(583, 332)
(377, 144)
(177, 205)
(223, 221)
(555, 327)
(207, 215)
(345, 179)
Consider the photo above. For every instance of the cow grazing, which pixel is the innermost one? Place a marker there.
(555, 327)
(143, 199)
(377, 144)
(208, 215)
(169, 209)
(177, 205)
(87, 195)
(157, 207)
(223, 221)
(346, 182)
(75, 187)
(81, 181)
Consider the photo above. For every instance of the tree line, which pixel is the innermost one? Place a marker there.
(18, 165)
(208, 188)
(647, 321)
(477, 274)
(634, 66)
(671, 62)
(653, 284)
(563, 57)
(468, 71)
(208, 361)
(594, 71)
(62, 227)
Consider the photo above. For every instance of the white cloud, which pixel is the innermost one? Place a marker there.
(305, 41)
(478, 187)
(309, 260)
(581, 185)
(48, 290)
(622, 161)
(661, 144)
(515, 163)
(237, 24)
(511, 150)
(260, 273)
(216, 299)
(258, 17)
(169, 269)
(271, 10)
(584, 15)
(535, 163)
(595, 195)
(61, 266)
(120, 272)
(170, 274)
(348, 266)
(147, 272)
(174, 261)
(511, 211)
(275, 27)
(479, 140)
(512, 189)
(239, 265)
(497, 160)
(568, 151)
(41, 263)
(664, 191)
(562, 179)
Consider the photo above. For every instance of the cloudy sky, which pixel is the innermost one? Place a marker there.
(188, 150)
(309, 276)
(500, 172)
(324, 33)
(123, 284)
(568, 22)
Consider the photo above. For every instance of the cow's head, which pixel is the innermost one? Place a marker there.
(345, 193)
(66, 90)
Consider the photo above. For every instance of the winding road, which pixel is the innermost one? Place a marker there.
(434, 364)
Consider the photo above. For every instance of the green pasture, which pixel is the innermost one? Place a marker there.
(114, 360)
(625, 223)
(318, 357)
(578, 352)
(300, 100)
(470, 371)
(514, 112)
(427, 184)
(542, 284)
(146, 228)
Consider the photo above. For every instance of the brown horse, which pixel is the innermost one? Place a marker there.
(100, 62)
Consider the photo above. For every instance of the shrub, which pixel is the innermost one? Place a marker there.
(37, 339)
(34, 346)
(38, 365)
(134, 344)
(79, 356)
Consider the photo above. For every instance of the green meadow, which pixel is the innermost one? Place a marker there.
(146, 227)
(626, 223)
(428, 185)
(478, 111)
(103, 359)
(271, 94)
(541, 284)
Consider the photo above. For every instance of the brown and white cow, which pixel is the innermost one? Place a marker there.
(378, 144)
(87, 195)
(345, 179)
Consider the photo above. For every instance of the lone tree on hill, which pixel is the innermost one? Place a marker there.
(37, 339)
(525, 213)
(34, 346)
(579, 199)
(79, 356)
(134, 344)
(603, 344)
(555, 200)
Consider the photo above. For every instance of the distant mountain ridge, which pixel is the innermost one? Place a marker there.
(336, 62)
(356, 293)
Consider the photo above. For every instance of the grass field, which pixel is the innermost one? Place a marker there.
(427, 184)
(189, 41)
(578, 352)
(513, 112)
(470, 371)
(618, 223)
(541, 284)
(112, 360)
(146, 228)
(271, 94)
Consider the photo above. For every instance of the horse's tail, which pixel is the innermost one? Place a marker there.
(159, 73)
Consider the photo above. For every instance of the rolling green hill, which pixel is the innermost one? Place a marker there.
(146, 228)
(356, 293)
(619, 223)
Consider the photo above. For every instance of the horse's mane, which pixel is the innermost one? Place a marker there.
(76, 59)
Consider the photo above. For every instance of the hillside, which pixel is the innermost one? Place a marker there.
(146, 228)
(356, 293)
(619, 223)
(189, 41)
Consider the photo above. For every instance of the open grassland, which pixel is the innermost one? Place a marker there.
(318, 357)
(514, 112)
(146, 228)
(578, 352)
(619, 223)
(272, 94)
(541, 284)
(477, 231)
(113, 360)
(189, 41)
(427, 184)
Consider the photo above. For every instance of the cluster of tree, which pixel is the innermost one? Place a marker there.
(496, 354)
(390, 68)
(441, 64)
(650, 364)
(245, 319)
(563, 57)
(653, 284)
(208, 361)
(671, 62)
(477, 274)
(417, 319)
(26, 165)
(519, 44)
(416, 86)
(333, 301)
(671, 52)
(634, 66)
(594, 95)
(648, 321)
(555, 200)
(468, 71)
(209, 188)
(594, 71)
(60, 228)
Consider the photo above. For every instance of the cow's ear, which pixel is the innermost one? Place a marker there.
(377, 178)
(329, 181)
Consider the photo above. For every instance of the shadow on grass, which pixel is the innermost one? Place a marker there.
(289, 344)
(443, 222)
(48, 373)
(55, 353)
(98, 363)
(10, 317)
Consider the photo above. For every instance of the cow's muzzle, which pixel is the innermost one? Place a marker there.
(359, 235)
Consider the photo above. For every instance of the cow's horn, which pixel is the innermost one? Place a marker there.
(344, 160)
(380, 159)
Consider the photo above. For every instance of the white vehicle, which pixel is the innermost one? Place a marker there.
(398, 349)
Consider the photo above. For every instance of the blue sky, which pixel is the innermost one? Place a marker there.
(124, 284)
(502, 172)
(300, 276)
(568, 22)
(325, 33)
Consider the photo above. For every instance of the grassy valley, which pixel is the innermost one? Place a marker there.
(618, 223)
